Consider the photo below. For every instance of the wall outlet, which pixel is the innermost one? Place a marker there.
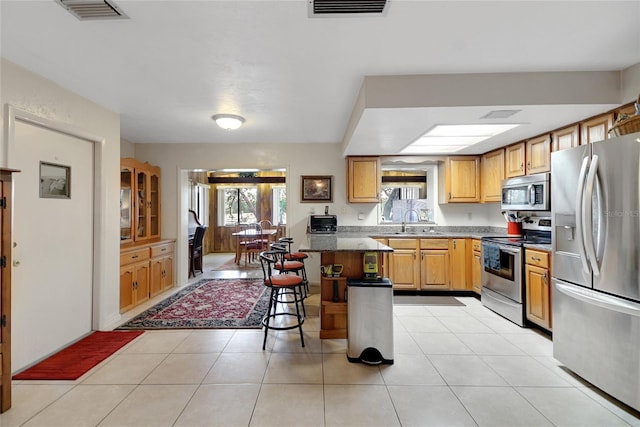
(360, 216)
(469, 216)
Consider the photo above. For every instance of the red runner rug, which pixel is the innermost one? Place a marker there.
(77, 359)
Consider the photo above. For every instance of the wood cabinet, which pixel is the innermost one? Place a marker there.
(364, 179)
(492, 175)
(139, 201)
(434, 264)
(476, 266)
(145, 271)
(333, 311)
(563, 139)
(538, 154)
(333, 304)
(596, 129)
(458, 264)
(528, 157)
(6, 206)
(538, 287)
(404, 270)
(161, 270)
(460, 180)
(419, 264)
(514, 160)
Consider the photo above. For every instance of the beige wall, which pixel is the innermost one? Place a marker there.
(127, 148)
(36, 95)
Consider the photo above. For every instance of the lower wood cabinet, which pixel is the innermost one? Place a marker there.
(333, 308)
(434, 264)
(145, 271)
(458, 260)
(538, 287)
(476, 266)
(404, 270)
(429, 264)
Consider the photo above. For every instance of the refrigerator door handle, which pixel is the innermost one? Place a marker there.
(580, 215)
(600, 299)
(588, 212)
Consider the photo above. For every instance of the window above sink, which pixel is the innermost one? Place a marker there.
(407, 195)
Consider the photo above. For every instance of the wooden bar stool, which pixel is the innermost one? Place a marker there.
(296, 256)
(280, 284)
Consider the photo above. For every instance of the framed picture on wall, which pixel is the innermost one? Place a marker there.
(55, 181)
(317, 188)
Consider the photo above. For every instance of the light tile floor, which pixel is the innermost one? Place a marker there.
(454, 366)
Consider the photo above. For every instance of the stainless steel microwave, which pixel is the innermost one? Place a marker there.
(323, 224)
(527, 193)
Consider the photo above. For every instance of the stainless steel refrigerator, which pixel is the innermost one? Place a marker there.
(595, 203)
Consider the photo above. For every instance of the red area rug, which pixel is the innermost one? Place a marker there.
(77, 359)
(208, 304)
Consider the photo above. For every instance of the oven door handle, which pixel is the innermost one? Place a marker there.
(510, 251)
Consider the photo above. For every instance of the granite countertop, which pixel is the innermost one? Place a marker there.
(342, 242)
(538, 246)
(355, 239)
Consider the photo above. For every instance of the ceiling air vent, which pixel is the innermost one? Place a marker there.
(93, 9)
(346, 7)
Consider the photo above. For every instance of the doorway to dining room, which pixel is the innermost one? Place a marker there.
(238, 197)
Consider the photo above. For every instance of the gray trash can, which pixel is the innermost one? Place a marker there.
(370, 321)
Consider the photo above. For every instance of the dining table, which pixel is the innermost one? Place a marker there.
(252, 234)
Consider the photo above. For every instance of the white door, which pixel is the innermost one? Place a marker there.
(52, 274)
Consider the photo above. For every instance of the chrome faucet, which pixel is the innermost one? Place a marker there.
(404, 218)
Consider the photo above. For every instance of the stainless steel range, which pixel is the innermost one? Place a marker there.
(503, 273)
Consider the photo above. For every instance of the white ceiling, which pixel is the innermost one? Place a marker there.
(296, 78)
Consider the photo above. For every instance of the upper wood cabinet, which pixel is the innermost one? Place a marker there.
(514, 160)
(563, 139)
(139, 201)
(492, 175)
(461, 178)
(596, 129)
(364, 179)
(538, 154)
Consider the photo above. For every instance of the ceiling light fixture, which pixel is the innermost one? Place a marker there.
(228, 121)
(452, 138)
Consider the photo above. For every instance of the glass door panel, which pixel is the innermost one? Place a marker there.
(126, 204)
(141, 205)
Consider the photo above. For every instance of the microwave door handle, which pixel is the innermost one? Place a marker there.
(580, 215)
(588, 209)
(532, 195)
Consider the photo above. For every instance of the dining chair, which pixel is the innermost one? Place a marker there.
(249, 245)
(265, 240)
(195, 251)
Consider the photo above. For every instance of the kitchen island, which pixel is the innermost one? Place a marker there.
(347, 250)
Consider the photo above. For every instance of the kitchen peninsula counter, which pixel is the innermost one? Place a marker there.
(346, 249)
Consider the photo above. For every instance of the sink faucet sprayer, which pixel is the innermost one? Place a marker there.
(404, 218)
